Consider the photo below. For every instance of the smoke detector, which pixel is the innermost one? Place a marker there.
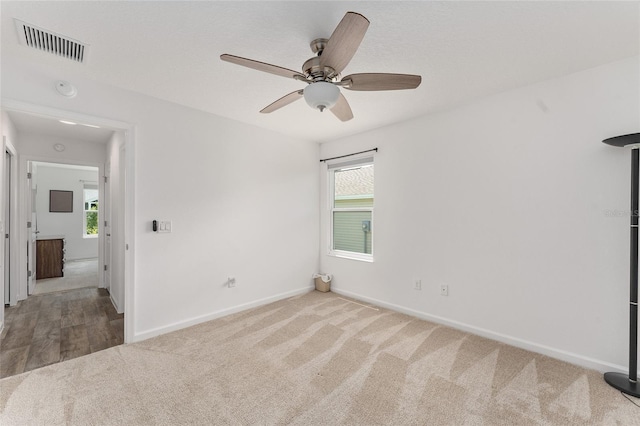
(51, 42)
(66, 89)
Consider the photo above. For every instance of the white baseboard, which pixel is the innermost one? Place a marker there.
(560, 354)
(137, 337)
(115, 304)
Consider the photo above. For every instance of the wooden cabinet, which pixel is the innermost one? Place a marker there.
(50, 258)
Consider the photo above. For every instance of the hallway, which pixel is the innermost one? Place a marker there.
(49, 328)
(77, 274)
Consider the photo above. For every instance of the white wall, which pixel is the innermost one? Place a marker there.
(68, 224)
(505, 200)
(8, 128)
(243, 202)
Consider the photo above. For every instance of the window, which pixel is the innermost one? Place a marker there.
(90, 215)
(352, 209)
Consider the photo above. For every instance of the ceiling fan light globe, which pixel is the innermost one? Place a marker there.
(321, 95)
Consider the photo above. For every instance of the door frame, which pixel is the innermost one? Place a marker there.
(13, 224)
(128, 198)
(105, 225)
(25, 162)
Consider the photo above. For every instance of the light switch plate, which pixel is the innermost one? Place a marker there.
(164, 226)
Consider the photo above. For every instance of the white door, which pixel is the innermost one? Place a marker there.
(32, 230)
(116, 204)
(7, 226)
(106, 210)
(119, 229)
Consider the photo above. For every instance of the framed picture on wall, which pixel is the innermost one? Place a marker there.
(60, 201)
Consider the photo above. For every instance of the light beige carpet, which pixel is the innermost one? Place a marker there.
(77, 274)
(316, 359)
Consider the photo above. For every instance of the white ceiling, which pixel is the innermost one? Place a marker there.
(67, 166)
(28, 123)
(463, 50)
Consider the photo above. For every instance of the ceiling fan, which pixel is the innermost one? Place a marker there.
(322, 72)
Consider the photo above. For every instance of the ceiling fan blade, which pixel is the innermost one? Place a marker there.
(262, 66)
(341, 109)
(344, 41)
(381, 81)
(283, 101)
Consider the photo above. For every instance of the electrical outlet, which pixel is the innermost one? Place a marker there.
(417, 285)
(231, 282)
(444, 290)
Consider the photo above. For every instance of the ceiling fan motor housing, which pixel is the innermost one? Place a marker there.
(313, 70)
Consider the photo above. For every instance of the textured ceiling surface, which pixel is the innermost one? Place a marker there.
(463, 50)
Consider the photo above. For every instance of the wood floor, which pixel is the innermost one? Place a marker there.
(49, 328)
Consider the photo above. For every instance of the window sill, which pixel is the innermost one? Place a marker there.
(352, 256)
(90, 236)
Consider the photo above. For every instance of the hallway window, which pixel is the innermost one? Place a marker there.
(90, 211)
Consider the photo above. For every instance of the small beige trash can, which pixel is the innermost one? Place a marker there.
(323, 282)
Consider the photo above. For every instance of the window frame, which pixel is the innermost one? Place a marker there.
(85, 211)
(331, 169)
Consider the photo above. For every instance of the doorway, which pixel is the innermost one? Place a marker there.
(66, 254)
(69, 313)
(105, 324)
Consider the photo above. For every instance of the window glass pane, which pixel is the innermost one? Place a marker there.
(352, 231)
(353, 187)
(92, 222)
